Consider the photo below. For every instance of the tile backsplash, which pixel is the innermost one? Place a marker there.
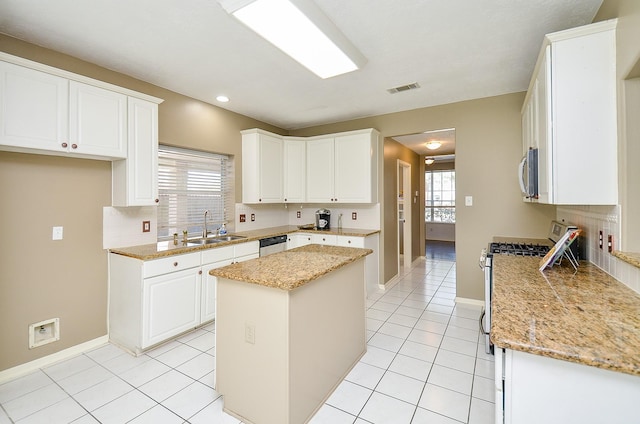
(592, 220)
(275, 215)
(122, 227)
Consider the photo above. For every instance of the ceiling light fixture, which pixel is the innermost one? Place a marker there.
(300, 29)
(429, 161)
(433, 144)
(222, 99)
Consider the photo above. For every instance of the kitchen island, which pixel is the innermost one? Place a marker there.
(567, 344)
(289, 327)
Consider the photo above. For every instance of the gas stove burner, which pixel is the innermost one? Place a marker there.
(519, 249)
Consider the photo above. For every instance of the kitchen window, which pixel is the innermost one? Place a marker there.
(190, 182)
(440, 195)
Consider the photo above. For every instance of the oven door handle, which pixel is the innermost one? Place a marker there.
(481, 323)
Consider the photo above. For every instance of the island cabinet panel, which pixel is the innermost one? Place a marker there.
(280, 353)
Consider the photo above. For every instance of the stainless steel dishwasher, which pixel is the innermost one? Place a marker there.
(271, 245)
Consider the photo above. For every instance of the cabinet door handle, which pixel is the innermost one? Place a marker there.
(175, 264)
(200, 272)
(349, 241)
(157, 200)
(65, 145)
(74, 146)
(285, 200)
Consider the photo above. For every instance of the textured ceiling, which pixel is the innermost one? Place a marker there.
(456, 50)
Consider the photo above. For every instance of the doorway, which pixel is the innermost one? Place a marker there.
(404, 196)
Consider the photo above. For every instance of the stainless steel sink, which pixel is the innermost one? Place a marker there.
(212, 240)
(228, 237)
(200, 242)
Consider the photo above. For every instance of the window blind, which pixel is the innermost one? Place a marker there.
(189, 183)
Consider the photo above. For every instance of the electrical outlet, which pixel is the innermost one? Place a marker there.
(610, 243)
(600, 240)
(298, 214)
(243, 217)
(250, 333)
(253, 217)
(354, 215)
(146, 226)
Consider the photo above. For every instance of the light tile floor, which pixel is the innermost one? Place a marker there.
(425, 363)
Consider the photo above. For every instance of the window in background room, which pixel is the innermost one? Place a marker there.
(440, 204)
(190, 182)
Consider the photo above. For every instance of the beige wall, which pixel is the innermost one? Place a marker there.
(628, 72)
(394, 151)
(40, 278)
(488, 149)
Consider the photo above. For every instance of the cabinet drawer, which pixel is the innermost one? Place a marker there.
(347, 241)
(217, 254)
(170, 264)
(248, 248)
(324, 239)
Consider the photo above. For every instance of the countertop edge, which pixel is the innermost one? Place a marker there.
(632, 258)
(244, 271)
(253, 235)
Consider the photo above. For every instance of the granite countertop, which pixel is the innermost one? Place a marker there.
(586, 317)
(292, 268)
(163, 249)
(632, 258)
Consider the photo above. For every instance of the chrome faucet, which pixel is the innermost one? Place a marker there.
(205, 233)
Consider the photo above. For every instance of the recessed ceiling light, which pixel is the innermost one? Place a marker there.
(223, 99)
(300, 29)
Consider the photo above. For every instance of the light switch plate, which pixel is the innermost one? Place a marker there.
(57, 233)
(468, 200)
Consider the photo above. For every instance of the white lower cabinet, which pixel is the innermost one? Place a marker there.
(217, 258)
(537, 389)
(152, 301)
(170, 305)
(329, 239)
(298, 239)
(369, 242)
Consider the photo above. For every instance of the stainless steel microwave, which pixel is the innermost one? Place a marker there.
(528, 174)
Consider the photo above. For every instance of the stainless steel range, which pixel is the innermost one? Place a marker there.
(512, 246)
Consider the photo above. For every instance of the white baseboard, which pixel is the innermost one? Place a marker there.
(467, 301)
(20, 370)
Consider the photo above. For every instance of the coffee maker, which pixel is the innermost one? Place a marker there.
(323, 219)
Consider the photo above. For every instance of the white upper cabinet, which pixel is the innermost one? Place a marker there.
(35, 111)
(295, 170)
(343, 169)
(135, 180)
(262, 167)
(336, 168)
(53, 115)
(97, 121)
(355, 170)
(320, 170)
(570, 116)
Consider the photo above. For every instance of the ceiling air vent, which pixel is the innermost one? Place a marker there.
(402, 88)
